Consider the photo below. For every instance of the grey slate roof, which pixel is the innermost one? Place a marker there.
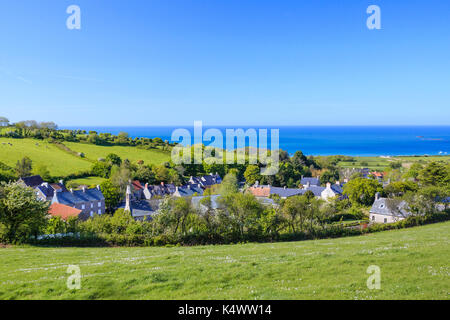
(188, 191)
(32, 181)
(48, 189)
(312, 181)
(143, 208)
(380, 206)
(286, 193)
(206, 181)
(78, 196)
(317, 190)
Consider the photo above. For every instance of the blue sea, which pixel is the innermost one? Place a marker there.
(330, 140)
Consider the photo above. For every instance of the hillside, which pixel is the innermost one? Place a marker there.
(61, 163)
(414, 265)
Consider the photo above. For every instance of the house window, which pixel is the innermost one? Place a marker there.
(373, 218)
(385, 220)
(99, 211)
(92, 205)
(381, 206)
(99, 204)
(83, 206)
(92, 213)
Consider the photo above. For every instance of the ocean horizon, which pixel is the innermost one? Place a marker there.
(324, 140)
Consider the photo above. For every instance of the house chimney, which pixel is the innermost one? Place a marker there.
(345, 180)
(308, 184)
(98, 187)
(84, 189)
(328, 185)
(302, 177)
(61, 182)
(284, 187)
(377, 196)
(338, 183)
(318, 178)
(146, 186)
(127, 199)
(71, 190)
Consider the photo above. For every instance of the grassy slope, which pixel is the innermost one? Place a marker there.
(60, 162)
(414, 265)
(131, 153)
(57, 161)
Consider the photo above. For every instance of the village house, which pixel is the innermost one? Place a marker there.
(188, 191)
(319, 192)
(46, 190)
(31, 182)
(62, 211)
(140, 209)
(158, 191)
(382, 210)
(206, 181)
(309, 181)
(89, 201)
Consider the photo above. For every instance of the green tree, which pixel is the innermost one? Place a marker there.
(434, 174)
(101, 169)
(111, 193)
(229, 184)
(21, 213)
(399, 188)
(43, 172)
(362, 191)
(252, 174)
(113, 159)
(24, 167)
(145, 174)
(295, 211)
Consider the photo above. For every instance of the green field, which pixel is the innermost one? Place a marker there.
(89, 181)
(379, 163)
(60, 162)
(414, 264)
(133, 154)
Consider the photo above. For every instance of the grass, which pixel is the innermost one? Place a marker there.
(414, 265)
(89, 181)
(58, 162)
(153, 156)
(378, 163)
(61, 163)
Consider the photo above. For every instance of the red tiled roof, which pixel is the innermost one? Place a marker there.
(63, 211)
(137, 185)
(260, 191)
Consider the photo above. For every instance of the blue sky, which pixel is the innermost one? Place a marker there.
(225, 62)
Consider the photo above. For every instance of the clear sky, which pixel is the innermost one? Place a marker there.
(226, 62)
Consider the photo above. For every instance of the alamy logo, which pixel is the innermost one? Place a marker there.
(374, 21)
(74, 20)
(256, 151)
(74, 280)
(374, 280)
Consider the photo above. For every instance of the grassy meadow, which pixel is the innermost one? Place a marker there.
(94, 152)
(414, 264)
(380, 163)
(60, 162)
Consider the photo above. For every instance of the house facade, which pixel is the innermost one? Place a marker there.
(382, 211)
(89, 201)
